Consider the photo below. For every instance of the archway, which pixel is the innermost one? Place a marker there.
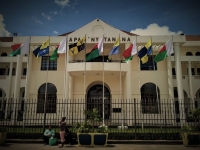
(150, 98)
(95, 99)
(51, 96)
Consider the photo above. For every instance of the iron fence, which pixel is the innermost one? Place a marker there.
(126, 118)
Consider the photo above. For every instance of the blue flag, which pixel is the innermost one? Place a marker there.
(35, 52)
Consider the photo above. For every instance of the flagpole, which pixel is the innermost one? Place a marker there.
(65, 86)
(45, 99)
(85, 71)
(26, 85)
(157, 100)
(103, 89)
(139, 83)
(172, 98)
(121, 88)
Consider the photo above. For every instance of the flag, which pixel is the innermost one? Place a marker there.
(22, 48)
(44, 49)
(145, 52)
(77, 47)
(115, 49)
(35, 52)
(95, 51)
(165, 51)
(62, 46)
(55, 55)
(130, 51)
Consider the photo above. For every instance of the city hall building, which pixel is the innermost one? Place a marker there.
(70, 79)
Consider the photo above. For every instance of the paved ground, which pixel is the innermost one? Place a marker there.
(34, 146)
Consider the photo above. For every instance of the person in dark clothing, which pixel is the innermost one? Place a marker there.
(68, 136)
(48, 134)
(62, 126)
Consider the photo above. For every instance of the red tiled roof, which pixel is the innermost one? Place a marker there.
(192, 37)
(129, 33)
(65, 34)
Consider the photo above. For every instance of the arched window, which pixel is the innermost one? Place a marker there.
(4, 54)
(150, 98)
(95, 100)
(51, 96)
(188, 54)
(197, 54)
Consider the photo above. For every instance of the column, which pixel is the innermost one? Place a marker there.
(190, 85)
(71, 87)
(28, 72)
(8, 102)
(128, 78)
(179, 82)
(171, 88)
(18, 77)
(9, 81)
(17, 87)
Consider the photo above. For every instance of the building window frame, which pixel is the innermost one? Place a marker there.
(46, 62)
(149, 65)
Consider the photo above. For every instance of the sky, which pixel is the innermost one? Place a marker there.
(142, 17)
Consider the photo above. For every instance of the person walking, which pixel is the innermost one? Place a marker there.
(62, 126)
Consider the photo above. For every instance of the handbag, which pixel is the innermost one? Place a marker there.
(52, 141)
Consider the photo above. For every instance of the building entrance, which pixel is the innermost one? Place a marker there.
(95, 100)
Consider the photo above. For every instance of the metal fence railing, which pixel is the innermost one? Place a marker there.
(143, 119)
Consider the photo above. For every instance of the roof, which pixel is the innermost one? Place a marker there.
(192, 37)
(6, 39)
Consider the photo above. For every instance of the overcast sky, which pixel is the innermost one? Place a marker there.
(142, 17)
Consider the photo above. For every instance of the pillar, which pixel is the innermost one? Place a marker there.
(179, 82)
(8, 93)
(171, 88)
(190, 84)
(17, 88)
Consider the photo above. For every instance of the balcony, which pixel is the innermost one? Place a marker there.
(12, 59)
(80, 65)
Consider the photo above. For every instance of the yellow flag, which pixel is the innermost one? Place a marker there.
(45, 44)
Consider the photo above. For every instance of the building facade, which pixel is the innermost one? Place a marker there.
(177, 78)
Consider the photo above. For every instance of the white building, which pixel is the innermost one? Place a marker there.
(177, 77)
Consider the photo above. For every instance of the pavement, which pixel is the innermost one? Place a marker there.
(39, 146)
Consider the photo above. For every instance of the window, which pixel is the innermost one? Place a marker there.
(173, 71)
(1, 93)
(149, 65)
(46, 62)
(99, 59)
(188, 54)
(150, 98)
(51, 97)
(4, 54)
(192, 70)
(2, 71)
(175, 93)
(24, 71)
(13, 71)
(197, 53)
(198, 71)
